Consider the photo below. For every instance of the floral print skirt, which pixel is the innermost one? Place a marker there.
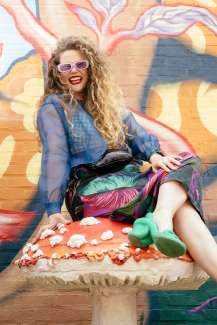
(129, 193)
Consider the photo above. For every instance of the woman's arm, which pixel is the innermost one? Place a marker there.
(55, 167)
(142, 143)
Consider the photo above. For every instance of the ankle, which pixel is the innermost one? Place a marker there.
(163, 219)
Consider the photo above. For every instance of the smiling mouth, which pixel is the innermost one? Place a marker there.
(75, 80)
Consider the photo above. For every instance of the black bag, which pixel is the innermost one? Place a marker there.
(112, 160)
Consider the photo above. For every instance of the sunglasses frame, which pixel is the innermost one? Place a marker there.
(73, 66)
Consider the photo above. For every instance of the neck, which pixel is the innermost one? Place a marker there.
(79, 96)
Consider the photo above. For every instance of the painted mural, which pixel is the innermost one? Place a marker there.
(164, 56)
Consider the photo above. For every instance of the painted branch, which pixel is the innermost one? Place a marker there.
(30, 27)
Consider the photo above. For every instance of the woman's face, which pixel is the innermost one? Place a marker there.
(76, 75)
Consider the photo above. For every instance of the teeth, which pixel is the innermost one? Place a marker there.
(75, 80)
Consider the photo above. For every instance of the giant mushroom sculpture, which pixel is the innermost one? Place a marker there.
(94, 254)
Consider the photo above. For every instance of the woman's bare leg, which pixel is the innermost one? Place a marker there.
(197, 237)
(171, 197)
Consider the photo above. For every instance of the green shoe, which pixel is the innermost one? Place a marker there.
(146, 241)
(149, 221)
(166, 241)
(169, 243)
(139, 236)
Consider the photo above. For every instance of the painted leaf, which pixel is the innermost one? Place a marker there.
(116, 7)
(168, 20)
(101, 6)
(86, 17)
(110, 7)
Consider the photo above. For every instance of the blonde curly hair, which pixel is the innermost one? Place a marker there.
(103, 98)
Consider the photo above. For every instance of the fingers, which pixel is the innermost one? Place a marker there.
(175, 161)
(169, 163)
(172, 165)
(53, 223)
(163, 165)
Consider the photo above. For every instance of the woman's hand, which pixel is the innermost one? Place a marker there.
(167, 163)
(53, 221)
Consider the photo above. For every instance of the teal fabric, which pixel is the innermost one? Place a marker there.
(109, 183)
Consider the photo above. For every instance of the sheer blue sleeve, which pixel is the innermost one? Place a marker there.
(142, 143)
(55, 167)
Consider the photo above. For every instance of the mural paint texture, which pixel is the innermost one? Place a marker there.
(163, 55)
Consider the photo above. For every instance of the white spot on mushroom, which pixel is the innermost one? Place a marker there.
(94, 242)
(107, 235)
(121, 256)
(34, 248)
(89, 221)
(124, 247)
(54, 255)
(76, 240)
(46, 233)
(138, 250)
(54, 240)
(25, 257)
(38, 253)
(62, 230)
(126, 230)
(26, 248)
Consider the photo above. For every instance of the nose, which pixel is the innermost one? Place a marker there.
(73, 68)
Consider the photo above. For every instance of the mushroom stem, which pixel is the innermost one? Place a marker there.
(114, 306)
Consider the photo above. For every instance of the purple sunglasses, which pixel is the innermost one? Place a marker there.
(68, 67)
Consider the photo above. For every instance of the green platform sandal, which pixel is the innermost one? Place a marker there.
(166, 241)
(169, 243)
(140, 235)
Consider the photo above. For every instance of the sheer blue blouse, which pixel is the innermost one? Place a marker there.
(65, 147)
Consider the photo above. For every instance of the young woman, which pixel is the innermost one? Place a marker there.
(93, 150)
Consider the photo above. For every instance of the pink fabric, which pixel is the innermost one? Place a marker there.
(105, 203)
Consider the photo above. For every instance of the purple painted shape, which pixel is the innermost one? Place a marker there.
(203, 306)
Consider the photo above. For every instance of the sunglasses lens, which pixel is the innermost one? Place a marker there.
(82, 65)
(64, 67)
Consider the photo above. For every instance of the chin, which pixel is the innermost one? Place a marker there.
(78, 89)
